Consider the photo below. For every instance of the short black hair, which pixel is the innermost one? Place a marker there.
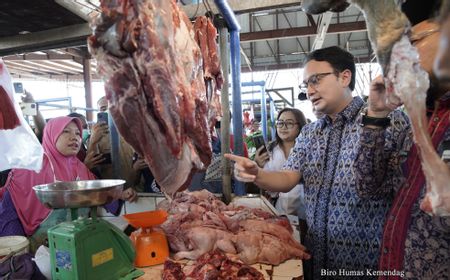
(76, 115)
(338, 58)
(418, 11)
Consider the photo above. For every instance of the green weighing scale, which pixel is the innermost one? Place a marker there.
(87, 248)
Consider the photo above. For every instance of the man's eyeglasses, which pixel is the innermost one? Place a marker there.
(288, 124)
(313, 81)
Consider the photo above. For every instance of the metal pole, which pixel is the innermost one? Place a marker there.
(239, 187)
(264, 112)
(87, 87)
(225, 121)
(233, 25)
(272, 119)
(115, 156)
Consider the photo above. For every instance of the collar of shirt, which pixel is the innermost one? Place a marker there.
(349, 113)
(445, 100)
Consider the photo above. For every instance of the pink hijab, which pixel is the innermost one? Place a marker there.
(55, 166)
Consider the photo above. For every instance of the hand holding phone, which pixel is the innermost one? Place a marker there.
(102, 117)
(29, 109)
(262, 156)
(259, 141)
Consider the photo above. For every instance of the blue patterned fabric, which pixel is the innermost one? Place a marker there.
(415, 243)
(427, 244)
(344, 230)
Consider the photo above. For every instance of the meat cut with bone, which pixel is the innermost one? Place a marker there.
(152, 67)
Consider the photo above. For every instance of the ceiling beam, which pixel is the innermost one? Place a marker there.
(305, 31)
(240, 7)
(70, 36)
(311, 20)
(324, 23)
(35, 56)
(27, 68)
(295, 65)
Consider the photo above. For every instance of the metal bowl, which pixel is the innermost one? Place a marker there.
(76, 194)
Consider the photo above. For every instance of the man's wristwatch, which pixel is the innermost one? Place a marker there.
(380, 122)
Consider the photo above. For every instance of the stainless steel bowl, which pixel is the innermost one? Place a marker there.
(76, 194)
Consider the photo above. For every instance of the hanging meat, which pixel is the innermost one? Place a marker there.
(205, 35)
(407, 83)
(152, 67)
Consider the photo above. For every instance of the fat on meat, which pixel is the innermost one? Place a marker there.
(411, 87)
(152, 67)
(259, 247)
(204, 239)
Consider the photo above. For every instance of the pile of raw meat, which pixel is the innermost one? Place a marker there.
(212, 265)
(153, 71)
(199, 223)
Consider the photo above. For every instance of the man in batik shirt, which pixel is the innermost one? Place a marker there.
(344, 230)
(414, 243)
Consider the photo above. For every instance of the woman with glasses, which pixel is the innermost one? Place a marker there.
(289, 124)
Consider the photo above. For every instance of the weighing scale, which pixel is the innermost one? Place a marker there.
(150, 243)
(87, 248)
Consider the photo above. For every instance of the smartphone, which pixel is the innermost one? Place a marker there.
(107, 158)
(18, 88)
(29, 109)
(259, 141)
(102, 117)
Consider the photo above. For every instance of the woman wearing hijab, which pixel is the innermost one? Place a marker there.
(21, 213)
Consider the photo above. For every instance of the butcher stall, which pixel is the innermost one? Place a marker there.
(245, 209)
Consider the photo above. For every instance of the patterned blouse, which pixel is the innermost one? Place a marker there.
(414, 243)
(344, 229)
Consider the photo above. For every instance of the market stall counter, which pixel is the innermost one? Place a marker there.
(288, 267)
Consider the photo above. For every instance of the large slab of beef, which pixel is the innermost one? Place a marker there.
(154, 83)
(205, 35)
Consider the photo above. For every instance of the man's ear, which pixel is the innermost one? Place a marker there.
(346, 77)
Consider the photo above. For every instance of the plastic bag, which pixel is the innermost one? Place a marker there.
(19, 147)
(42, 260)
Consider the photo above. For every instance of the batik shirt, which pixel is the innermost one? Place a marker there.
(415, 245)
(344, 230)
